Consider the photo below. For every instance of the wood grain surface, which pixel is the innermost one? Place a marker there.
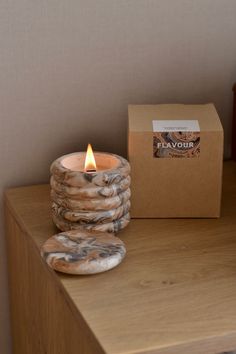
(234, 124)
(175, 292)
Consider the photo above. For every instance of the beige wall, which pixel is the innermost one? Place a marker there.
(68, 69)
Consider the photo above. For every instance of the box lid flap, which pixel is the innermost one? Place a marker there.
(142, 116)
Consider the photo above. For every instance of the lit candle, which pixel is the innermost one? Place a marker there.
(90, 163)
(90, 191)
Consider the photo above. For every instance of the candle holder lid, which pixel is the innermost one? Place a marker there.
(83, 252)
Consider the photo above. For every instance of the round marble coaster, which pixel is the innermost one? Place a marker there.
(83, 252)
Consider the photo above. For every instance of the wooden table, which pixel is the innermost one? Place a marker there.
(175, 292)
(234, 125)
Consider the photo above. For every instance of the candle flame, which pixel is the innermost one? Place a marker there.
(90, 163)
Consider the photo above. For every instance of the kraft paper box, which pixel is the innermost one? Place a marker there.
(176, 156)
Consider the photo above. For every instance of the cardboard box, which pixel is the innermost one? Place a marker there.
(176, 157)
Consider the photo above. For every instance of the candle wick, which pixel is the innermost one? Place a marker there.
(90, 170)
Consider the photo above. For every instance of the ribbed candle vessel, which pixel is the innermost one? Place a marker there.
(97, 200)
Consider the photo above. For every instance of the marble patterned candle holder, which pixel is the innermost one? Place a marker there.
(94, 201)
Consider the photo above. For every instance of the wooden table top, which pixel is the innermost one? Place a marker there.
(175, 288)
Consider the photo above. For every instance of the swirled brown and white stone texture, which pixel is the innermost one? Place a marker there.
(99, 204)
(112, 227)
(97, 200)
(176, 144)
(92, 217)
(83, 252)
(69, 170)
(91, 192)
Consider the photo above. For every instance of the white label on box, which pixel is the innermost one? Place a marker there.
(175, 126)
(176, 138)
